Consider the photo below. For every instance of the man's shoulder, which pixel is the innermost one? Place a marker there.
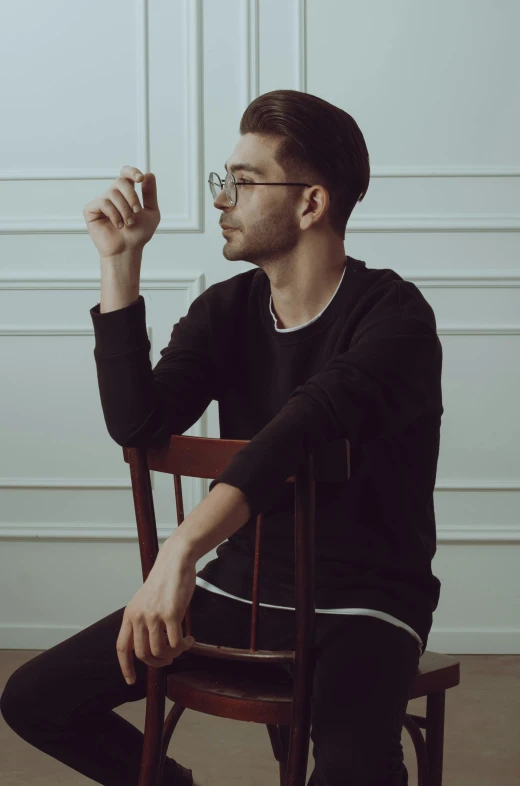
(385, 288)
(232, 293)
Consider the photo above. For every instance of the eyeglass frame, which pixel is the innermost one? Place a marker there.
(230, 174)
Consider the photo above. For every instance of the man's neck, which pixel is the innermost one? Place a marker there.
(296, 303)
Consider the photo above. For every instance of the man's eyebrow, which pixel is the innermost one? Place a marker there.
(244, 168)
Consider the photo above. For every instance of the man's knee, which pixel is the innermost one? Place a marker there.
(19, 702)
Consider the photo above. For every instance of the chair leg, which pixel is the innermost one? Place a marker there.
(157, 729)
(435, 706)
(153, 727)
(274, 736)
(169, 727)
(284, 737)
(279, 736)
(421, 754)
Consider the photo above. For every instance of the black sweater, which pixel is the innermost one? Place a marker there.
(367, 370)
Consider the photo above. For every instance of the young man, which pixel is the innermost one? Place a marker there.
(309, 347)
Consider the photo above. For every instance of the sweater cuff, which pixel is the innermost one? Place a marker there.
(120, 331)
(257, 476)
(258, 499)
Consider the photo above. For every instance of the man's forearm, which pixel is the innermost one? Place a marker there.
(221, 513)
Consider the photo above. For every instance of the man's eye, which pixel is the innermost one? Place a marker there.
(242, 180)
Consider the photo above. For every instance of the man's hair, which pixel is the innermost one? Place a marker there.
(320, 144)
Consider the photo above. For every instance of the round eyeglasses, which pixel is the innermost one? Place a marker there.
(230, 184)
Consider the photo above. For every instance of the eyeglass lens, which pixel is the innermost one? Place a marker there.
(215, 185)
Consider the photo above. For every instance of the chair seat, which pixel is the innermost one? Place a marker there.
(436, 672)
(263, 693)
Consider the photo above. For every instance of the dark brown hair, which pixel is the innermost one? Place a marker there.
(320, 144)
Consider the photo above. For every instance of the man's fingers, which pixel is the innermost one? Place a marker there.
(149, 190)
(166, 644)
(123, 205)
(159, 646)
(124, 646)
(148, 184)
(154, 646)
(173, 635)
(132, 172)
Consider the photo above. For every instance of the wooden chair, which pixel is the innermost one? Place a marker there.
(245, 684)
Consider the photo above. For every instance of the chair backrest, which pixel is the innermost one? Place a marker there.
(203, 457)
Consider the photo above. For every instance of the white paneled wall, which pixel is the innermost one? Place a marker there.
(88, 87)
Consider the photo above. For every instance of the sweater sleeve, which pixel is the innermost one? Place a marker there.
(389, 376)
(144, 406)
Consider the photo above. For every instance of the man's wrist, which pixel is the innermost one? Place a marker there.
(180, 544)
(221, 513)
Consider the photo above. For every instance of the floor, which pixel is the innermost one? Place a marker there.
(481, 736)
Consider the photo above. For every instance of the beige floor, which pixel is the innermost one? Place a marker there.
(481, 736)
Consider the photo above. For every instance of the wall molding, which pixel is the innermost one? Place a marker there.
(301, 61)
(71, 532)
(409, 222)
(477, 330)
(61, 174)
(477, 485)
(248, 45)
(460, 641)
(193, 152)
(471, 533)
(486, 484)
(188, 280)
(438, 278)
(67, 483)
(445, 171)
(142, 112)
(436, 222)
(470, 279)
(192, 283)
(428, 222)
(457, 533)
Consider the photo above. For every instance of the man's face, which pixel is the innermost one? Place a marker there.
(265, 223)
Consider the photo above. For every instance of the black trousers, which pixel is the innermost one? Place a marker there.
(62, 700)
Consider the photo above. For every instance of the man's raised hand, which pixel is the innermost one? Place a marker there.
(116, 220)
